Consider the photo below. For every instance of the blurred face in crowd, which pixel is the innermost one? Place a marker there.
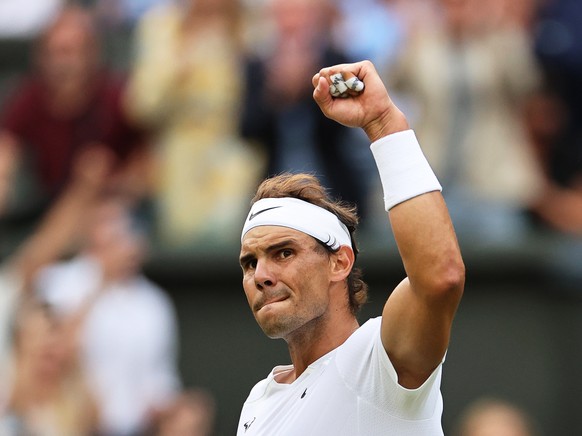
(193, 414)
(210, 6)
(301, 18)
(495, 419)
(115, 241)
(459, 14)
(68, 52)
(466, 17)
(41, 340)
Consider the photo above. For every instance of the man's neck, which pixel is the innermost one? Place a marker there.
(314, 340)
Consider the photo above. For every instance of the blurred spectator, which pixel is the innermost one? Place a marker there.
(47, 392)
(128, 335)
(417, 13)
(370, 29)
(119, 18)
(118, 13)
(459, 73)
(192, 414)
(69, 103)
(279, 110)
(555, 115)
(559, 207)
(26, 18)
(492, 417)
(186, 88)
(57, 233)
(42, 389)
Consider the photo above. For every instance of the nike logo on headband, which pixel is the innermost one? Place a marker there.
(252, 215)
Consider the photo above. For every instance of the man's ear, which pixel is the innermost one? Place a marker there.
(341, 263)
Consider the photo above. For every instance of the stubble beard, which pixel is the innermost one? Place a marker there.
(288, 325)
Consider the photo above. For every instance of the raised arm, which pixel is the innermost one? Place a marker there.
(417, 317)
(64, 222)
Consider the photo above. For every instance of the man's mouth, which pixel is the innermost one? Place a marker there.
(272, 301)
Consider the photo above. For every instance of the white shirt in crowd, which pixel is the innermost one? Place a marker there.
(128, 342)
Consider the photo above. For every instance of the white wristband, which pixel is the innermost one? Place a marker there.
(404, 171)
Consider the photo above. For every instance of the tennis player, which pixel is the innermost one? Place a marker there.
(297, 256)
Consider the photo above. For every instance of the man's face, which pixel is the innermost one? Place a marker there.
(68, 53)
(286, 279)
(113, 238)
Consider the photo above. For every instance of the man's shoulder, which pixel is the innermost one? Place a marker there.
(362, 353)
(259, 390)
(367, 331)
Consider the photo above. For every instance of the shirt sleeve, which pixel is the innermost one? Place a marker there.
(365, 366)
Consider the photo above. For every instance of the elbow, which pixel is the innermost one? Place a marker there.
(447, 282)
(451, 282)
(455, 277)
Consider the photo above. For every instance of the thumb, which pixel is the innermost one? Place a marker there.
(321, 93)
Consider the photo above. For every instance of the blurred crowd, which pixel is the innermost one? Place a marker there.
(142, 125)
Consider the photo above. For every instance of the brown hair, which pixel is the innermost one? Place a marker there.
(306, 187)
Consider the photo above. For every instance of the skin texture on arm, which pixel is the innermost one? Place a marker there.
(418, 315)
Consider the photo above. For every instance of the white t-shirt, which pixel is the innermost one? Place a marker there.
(128, 342)
(352, 391)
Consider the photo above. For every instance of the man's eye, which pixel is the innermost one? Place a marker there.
(285, 253)
(250, 264)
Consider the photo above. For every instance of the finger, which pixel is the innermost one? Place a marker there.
(340, 68)
(347, 70)
(315, 80)
(321, 93)
(344, 78)
(354, 84)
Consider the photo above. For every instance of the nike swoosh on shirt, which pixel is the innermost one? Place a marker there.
(253, 215)
(248, 424)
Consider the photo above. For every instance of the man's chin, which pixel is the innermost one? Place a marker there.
(276, 326)
(274, 330)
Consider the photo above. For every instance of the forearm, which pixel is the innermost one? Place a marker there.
(417, 213)
(428, 246)
(57, 231)
(65, 220)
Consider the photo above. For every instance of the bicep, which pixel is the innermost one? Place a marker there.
(415, 332)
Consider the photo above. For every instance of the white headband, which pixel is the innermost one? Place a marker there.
(299, 215)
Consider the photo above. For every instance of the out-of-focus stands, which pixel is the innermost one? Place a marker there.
(523, 269)
(467, 106)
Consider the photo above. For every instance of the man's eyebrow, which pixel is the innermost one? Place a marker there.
(280, 245)
(286, 243)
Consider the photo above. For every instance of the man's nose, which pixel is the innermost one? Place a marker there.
(264, 275)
